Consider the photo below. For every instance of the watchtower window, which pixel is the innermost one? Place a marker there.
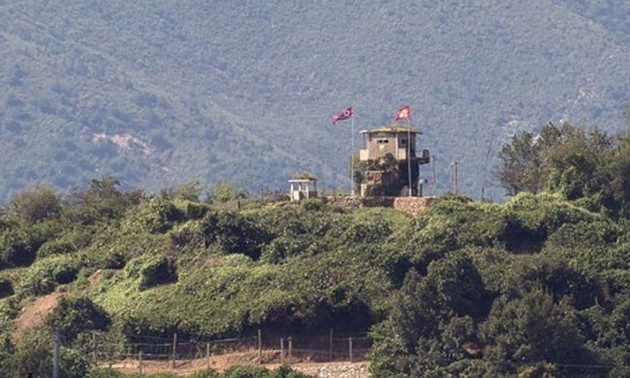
(382, 141)
(403, 142)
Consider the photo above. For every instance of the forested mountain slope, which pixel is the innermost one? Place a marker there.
(162, 93)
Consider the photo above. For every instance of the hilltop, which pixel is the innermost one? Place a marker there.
(536, 284)
(161, 94)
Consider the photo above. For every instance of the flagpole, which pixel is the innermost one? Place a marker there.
(352, 156)
(409, 155)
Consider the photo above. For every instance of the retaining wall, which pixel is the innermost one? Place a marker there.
(411, 205)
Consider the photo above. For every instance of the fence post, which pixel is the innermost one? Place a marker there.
(57, 343)
(282, 350)
(174, 357)
(290, 348)
(208, 354)
(330, 345)
(350, 347)
(140, 361)
(259, 346)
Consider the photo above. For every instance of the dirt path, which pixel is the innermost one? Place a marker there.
(34, 313)
(222, 362)
(182, 367)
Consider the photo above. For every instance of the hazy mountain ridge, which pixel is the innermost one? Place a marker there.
(228, 91)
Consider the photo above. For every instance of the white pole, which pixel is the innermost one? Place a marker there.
(409, 155)
(352, 156)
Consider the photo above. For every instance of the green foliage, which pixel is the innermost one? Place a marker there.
(73, 316)
(246, 372)
(206, 373)
(588, 167)
(35, 205)
(72, 364)
(33, 355)
(105, 373)
(196, 210)
(234, 233)
(520, 165)
(6, 288)
(16, 248)
(226, 191)
(44, 275)
(260, 372)
(188, 191)
(71, 241)
(284, 371)
(532, 329)
(454, 224)
(431, 318)
(159, 215)
(150, 271)
(102, 200)
(536, 285)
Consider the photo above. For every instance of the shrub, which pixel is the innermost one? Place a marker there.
(56, 247)
(196, 210)
(151, 271)
(206, 373)
(246, 372)
(281, 248)
(45, 274)
(286, 372)
(235, 233)
(35, 205)
(105, 373)
(6, 288)
(17, 248)
(160, 216)
(33, 355)
(68, 242)
(72, 364)
(73, 316)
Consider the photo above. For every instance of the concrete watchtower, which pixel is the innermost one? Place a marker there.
(390, 162)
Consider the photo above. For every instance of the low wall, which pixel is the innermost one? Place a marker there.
(411, 205)
(414, 205)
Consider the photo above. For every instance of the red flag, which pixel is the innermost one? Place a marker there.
(403, 114)
(346, 114)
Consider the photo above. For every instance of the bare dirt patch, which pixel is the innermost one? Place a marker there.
(223, 362)
(34, 313)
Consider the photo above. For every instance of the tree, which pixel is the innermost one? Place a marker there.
(226, 191)
(431, 318)
(520, 168)
(35, 205)
(530, 330)
(590, 167)
(620, 177)
(576, 164)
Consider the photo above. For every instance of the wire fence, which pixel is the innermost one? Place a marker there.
(261, 348)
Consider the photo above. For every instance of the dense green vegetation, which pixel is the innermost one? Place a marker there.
(589, 167)
(536, 286)
(158, 95)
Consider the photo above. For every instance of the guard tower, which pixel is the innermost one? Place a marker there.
(389, 161)
(302, 188)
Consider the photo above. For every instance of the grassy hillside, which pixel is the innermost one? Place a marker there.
(160, 94)
(538, 283)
